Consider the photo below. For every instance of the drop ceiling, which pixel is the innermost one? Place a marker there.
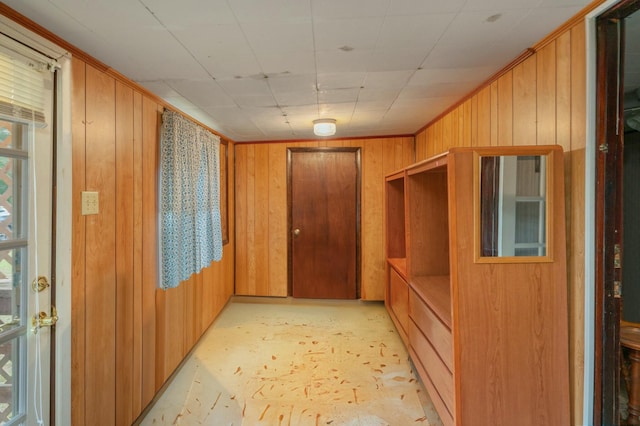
(265, 69)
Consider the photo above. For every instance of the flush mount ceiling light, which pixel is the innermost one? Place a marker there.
(324, 127)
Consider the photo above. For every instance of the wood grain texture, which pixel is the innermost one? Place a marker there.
(150, 122)
(484, 117)
(263, 223)
(136, 391)
(126, 347)
(100, 287)
(124, 327)
(78, 236)
(546, 95)
(524, 103)
(505, 110)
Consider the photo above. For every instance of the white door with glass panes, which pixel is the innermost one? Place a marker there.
(26, 313)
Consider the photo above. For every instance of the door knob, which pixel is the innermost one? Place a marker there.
(296, 232)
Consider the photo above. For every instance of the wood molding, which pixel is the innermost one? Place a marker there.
(325, 139)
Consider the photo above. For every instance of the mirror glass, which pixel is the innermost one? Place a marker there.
(513, 208)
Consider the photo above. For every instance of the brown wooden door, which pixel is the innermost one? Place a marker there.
(324, 222)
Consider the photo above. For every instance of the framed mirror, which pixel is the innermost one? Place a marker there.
(512, 214)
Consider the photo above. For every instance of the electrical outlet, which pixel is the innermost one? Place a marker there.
(90, 203)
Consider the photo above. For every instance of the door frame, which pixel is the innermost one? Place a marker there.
(608, 197)
(290, 151)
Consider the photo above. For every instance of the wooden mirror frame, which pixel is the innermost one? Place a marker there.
(549, 208)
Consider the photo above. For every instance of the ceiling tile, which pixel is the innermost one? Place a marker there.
(424, 7)
(340, 80)
(254, 11)
(356, 33)
(349, 8)
(378, 95)
(202, 93)
(472, 27)
(416, 31)
(388, 79)
(282, 36)
(440, 75)
(338, 96)
(276, 61)
(190, 13)
(245, 86)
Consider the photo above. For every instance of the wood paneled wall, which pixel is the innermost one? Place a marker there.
(127, 335)
(541, 101)
(261, 211)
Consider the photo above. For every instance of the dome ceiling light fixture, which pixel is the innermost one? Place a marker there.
(324, 127)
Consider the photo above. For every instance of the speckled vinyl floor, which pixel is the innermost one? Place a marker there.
(296, 362)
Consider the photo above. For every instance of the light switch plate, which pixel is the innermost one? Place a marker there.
(90, 203)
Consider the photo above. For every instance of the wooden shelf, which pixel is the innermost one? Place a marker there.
(433, 223)
(435, 291)
(400, 265)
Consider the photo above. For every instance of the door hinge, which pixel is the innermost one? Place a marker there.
(604, 148)
(617, 263)
(617, 289)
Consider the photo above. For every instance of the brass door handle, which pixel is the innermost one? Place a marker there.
(296, 232)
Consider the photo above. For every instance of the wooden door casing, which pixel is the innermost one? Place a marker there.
(324, 222)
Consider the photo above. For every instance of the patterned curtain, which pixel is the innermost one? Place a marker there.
(190, 228)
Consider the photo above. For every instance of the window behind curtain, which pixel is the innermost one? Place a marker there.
(190, 226)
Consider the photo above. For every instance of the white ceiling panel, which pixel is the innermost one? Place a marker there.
(349, 8)
(338, 95)
(340, 80)
(428, 76)
(265, 69)
(185, 14)
(424, 7)
(479, 26)
(388, 79)
(500, 4)
(296, 98)
(419, 32)
(252, 11)
(281, 61)
(279, 36)
(202, 93)
(284, 83)
(355, 33)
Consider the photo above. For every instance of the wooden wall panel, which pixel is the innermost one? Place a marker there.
(278, 231)
(261, 211)
(124, 254)
(127, 335)
(100, 287)
(546, 96)
(136, 350)
(524, 103)
(505, 110)
(149, 264)
(493, 124)
(484, 117)
(371, 217)
(78, 238)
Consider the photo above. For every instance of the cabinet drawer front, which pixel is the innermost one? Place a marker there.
(436, 332)
(399, 298)
(437, 371)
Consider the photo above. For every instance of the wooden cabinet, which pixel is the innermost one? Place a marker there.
(476, 240)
